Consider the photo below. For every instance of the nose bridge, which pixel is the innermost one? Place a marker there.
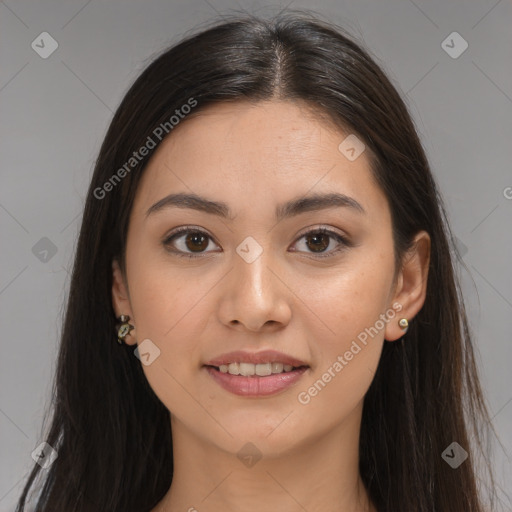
(256, 295)
(251, 267)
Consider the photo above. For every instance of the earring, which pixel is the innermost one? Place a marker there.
(404, 324)
(123, 328)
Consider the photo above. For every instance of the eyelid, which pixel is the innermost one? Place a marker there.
(322, 228)
(185, 229)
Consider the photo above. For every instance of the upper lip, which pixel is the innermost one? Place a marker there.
(266, 356)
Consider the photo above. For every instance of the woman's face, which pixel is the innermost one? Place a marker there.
(261, 277)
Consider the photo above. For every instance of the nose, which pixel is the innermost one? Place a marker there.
(255, 295)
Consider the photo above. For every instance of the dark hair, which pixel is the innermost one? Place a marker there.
(110, 430)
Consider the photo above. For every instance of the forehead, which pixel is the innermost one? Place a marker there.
(256, 154)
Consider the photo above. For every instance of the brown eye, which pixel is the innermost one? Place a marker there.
(317, 241)
(191, 243)
(187, 242)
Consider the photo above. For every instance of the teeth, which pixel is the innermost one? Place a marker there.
(249, 369)
(263, 369)
(246, 369)
(277, 367)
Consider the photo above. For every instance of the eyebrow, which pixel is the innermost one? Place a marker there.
(315, 202)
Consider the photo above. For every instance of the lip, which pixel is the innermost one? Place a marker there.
(256, 386)
(265, 356)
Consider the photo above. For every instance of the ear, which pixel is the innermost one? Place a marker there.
(121, 300)
(411, 286)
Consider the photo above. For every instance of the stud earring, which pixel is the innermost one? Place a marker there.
(123, 328)
(404, 324)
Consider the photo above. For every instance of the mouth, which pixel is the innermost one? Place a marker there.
(255, 380)
(255, 374)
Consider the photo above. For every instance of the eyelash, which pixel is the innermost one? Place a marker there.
(188, 229)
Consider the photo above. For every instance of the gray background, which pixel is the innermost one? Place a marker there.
(55, 112)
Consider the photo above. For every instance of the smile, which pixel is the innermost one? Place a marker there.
(271, 379)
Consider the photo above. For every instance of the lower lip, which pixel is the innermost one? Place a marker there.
(256, 385)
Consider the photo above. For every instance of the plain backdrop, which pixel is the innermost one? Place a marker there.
(55, 111)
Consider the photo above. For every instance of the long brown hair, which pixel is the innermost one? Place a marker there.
(112, 433)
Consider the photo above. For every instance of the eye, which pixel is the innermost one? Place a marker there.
(197, 241)
(319, 240)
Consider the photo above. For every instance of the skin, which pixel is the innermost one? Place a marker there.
(254, 157)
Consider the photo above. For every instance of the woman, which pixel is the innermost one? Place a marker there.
(264, 239)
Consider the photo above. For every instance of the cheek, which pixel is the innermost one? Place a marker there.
(350, 302)
(352, 308)
(346, 364)
(170, 313)
(166, 295)
(168, 305)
